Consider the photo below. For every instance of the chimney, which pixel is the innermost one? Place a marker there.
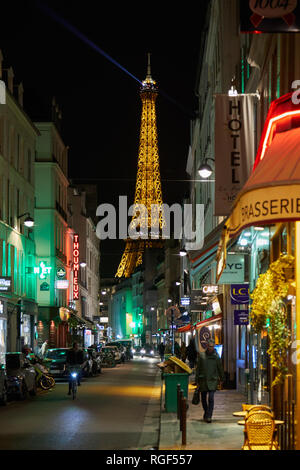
(20, 94)
(1, 60)
(10, 80)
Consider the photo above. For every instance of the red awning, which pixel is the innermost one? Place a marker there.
(186, 328)
(281, 163)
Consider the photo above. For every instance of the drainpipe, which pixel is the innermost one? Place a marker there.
(297, 272)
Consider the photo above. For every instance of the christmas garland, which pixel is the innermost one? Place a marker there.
(271, 288)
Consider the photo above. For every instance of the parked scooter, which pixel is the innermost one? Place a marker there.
(42, 377)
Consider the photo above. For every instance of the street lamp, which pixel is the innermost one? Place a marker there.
(29, 221)
(205, 170)
(83, 264)
(183, 252)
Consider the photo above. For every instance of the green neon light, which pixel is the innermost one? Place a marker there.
(42, 270)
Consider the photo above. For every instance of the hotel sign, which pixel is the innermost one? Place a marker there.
(270, 16)
(234, 147)
(75, 267)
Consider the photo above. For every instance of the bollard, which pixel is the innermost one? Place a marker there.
(181, 397)
(178, 401)
(184, 407)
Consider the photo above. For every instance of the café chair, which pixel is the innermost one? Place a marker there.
(260, 431)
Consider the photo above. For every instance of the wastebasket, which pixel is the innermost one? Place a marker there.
(171, 382)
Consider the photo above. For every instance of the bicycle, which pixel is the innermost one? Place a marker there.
(73, 379)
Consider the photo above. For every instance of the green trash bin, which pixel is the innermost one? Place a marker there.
(171, 382)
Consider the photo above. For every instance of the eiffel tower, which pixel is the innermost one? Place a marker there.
(148, 186)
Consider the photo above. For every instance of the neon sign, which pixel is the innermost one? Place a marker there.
(42, 270)
(75, 267)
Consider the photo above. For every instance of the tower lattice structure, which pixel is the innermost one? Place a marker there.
(147, 216)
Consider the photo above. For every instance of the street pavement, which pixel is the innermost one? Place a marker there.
(222, 434)
(117, 410)
(121, 409)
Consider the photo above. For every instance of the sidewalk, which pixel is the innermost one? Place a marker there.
(222, 434)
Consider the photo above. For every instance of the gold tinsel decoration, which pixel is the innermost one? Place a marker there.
(271, 288)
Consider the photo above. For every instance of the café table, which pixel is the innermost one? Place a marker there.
(240, 414)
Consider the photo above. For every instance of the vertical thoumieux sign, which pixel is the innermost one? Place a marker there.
(234, 147)
(75, 267)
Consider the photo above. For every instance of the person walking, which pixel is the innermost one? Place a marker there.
(161, 349)
(183, 352)
(177, 350)
(209, 371)
(191, 353)
(44, 348)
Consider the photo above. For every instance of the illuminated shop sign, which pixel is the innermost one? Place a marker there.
(5, 284)
(103, 319)
(210, 289)
(42, 270)
(185, 301)
(75, 267)
(62, 284)
(241, 317)
(239, 294)
(60, 273)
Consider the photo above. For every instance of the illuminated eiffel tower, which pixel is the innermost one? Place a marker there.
(148, 185)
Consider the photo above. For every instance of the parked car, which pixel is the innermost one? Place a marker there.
(3, 385)
(115, 350)
(58, 368)
(20, 376)
(96, 361)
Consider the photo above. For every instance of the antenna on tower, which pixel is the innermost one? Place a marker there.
(149, 66)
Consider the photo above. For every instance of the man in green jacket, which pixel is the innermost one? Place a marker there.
(208, 373)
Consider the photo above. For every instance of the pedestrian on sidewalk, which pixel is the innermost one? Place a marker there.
(183, 352)
(208, 373)
(161, 349)
(191, 353)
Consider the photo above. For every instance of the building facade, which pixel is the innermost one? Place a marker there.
(52, 236)
(88, 246)
(18, 298)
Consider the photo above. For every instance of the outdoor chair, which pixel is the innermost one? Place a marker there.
(260, 431)
(247, 407)
(259, 408)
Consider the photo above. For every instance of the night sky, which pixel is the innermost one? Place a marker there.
(100, 103)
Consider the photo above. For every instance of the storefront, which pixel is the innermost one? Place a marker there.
(268, 210)
(3, 330)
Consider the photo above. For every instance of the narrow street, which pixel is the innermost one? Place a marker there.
(117, 410)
